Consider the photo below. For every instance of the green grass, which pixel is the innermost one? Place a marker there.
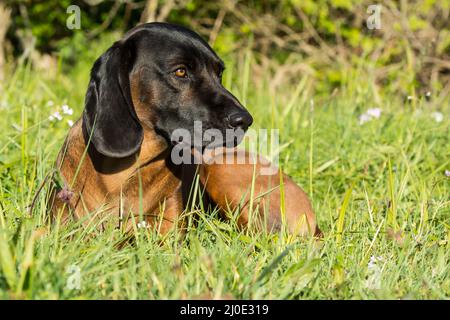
(366, 181)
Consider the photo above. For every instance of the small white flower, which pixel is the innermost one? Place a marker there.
(437, 116)
(428, 94)
(410, 97)
(50, 103)
(66, 109)
(369, 115)
(374, 273)
(57, 116)
(142, 224)
(374, 112)
(364, 118)
(70, 123)
(447, 173)
(372, 265)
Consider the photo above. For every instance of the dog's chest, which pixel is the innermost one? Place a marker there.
(148, 189)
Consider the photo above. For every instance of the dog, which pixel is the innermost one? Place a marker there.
(116, 162)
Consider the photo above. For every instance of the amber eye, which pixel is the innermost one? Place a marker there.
(181, 72)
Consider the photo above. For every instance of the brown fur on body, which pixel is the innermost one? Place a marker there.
(276, 198)
(114, 186)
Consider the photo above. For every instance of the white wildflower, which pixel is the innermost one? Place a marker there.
(374, 112)
(70, 123)
(437, 116)
(50, 103)
(447, 173)
(67, 110)
(372, 265)
(55, 116)
(364, 118)
(374, 271)
(369, 115)
(143, 224)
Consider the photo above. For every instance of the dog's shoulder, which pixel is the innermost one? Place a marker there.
(68, 160)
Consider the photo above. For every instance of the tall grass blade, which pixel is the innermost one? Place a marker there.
(342, 212)
(6, 260)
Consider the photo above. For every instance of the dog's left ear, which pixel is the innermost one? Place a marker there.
(109, 118)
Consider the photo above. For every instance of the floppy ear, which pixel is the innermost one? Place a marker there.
(109, 118)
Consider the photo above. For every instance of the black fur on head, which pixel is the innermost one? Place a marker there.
(156, 52)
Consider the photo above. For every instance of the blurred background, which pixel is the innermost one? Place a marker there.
(326, 40)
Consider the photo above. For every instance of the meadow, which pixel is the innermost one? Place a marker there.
(376, 167)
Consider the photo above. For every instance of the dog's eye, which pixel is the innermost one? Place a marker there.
(181, 73)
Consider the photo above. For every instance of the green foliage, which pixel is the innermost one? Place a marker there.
(46, 20)
(330, 36)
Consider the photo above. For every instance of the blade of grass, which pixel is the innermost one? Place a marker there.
(342, 212)
(26, 262)
(6, 260)
(392, 210)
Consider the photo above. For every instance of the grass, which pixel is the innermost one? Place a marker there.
(379, 191)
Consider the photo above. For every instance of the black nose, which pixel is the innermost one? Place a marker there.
(240, 119)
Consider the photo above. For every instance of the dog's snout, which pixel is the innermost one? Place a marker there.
(240, 120)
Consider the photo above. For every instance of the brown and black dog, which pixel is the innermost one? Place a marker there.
(116, 159)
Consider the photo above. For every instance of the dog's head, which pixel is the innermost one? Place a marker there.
(163, 77)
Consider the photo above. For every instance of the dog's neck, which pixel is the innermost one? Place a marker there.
(153, 148)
